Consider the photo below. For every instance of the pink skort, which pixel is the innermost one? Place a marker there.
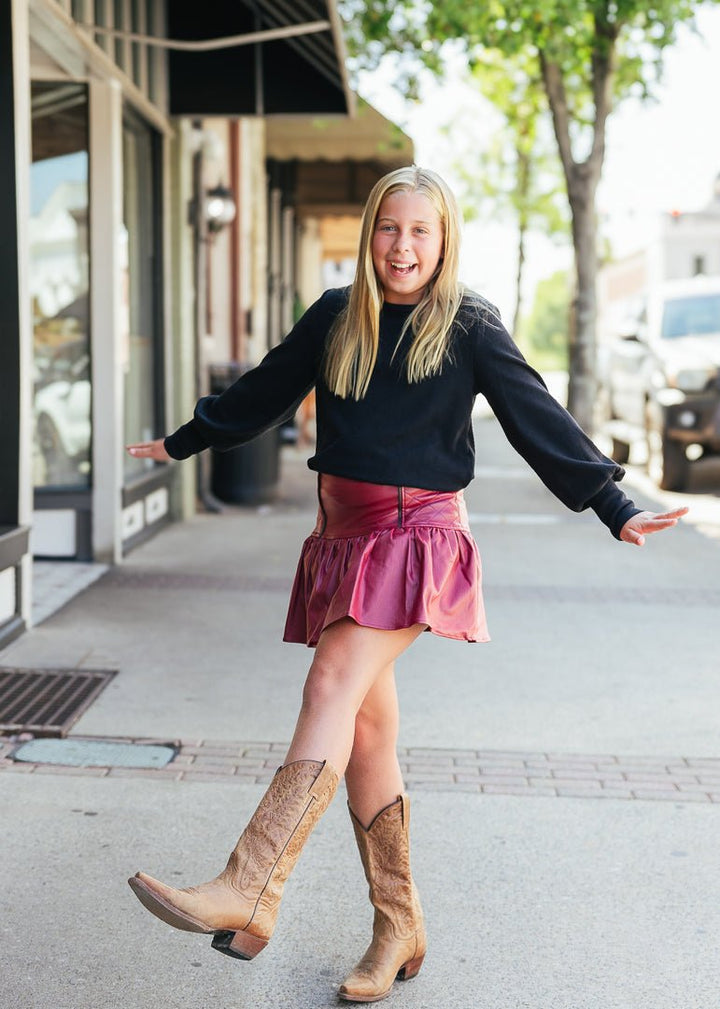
(389, 557)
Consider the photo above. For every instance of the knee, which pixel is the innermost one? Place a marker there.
(324, 684)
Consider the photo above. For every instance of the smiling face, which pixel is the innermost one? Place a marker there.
(407, 245)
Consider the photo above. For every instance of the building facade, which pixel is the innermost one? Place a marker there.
(124, 121)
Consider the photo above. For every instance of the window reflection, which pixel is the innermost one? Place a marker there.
(59, 272)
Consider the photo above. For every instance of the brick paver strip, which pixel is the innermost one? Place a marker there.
(481, 772)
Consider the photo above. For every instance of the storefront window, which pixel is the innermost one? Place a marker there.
(59, 279)
(140, 288)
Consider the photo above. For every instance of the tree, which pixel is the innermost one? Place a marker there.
(590, 54)
(517, 173)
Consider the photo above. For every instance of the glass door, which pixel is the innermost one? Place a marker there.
(59, 271)
(59, 285)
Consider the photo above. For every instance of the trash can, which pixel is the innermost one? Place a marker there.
(248, 474)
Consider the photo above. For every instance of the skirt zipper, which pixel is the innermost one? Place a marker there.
(400, 507)
(322, 507)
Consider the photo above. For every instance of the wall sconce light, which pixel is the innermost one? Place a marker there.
(220, 208)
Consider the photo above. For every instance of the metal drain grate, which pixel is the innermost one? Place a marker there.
(47, 702)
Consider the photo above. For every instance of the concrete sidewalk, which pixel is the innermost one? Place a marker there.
(565, 777)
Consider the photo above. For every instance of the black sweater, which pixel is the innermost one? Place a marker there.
(419, 434)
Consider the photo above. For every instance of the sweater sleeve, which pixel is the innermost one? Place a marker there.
(264, 396)
(544, 433)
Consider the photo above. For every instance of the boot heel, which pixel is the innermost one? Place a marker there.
(241, 945)
(411, 968)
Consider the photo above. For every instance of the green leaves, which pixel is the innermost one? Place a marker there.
(574, 35)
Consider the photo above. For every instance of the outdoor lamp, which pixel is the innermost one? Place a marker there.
(220, 208)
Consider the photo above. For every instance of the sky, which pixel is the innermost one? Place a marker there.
(661, 156)
(46, 175)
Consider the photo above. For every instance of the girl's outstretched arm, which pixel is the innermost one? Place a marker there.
(641, 525)
(150, 450)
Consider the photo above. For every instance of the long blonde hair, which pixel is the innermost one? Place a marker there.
(353, 345)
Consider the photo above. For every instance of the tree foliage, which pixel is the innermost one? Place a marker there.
(575, 36)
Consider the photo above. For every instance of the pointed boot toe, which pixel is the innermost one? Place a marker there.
(165, 903)
(359, 988)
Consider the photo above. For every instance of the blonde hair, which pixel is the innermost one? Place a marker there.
(353, 345)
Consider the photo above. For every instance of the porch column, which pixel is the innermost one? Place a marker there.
(108, 309)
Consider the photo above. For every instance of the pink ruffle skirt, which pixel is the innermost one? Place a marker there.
(389, 557)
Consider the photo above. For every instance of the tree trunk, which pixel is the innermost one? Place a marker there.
(524, 177)
(582, 384)
(519, 280)
(582, 181)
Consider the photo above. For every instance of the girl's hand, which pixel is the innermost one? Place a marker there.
(150, 450)
(639, 526)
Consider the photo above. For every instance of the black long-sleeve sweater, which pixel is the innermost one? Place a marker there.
(413, 434)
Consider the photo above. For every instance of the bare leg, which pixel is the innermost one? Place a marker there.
(348, 660)
(373, 776)
(240, 905)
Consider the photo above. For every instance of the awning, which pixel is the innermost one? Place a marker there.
(299, 74)
(368, 137)
(330, 165)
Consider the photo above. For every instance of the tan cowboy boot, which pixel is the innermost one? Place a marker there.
(241, 904)
(397, 949)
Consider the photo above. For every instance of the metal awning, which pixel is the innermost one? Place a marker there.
(299, 74)
(368, 137)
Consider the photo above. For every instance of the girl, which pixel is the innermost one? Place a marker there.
(396, 361)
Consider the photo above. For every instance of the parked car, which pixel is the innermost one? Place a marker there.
(660, 380)
(62, 414)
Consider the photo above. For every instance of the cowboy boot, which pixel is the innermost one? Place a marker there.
(398, 944)
(239, 907)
